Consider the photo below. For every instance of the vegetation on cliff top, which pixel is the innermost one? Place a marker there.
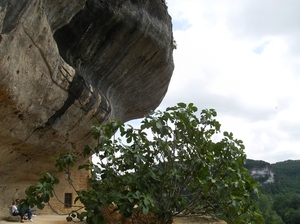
(279, 201)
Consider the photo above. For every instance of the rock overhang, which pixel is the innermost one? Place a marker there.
(65, 65)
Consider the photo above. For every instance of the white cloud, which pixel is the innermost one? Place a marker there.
(241, 58)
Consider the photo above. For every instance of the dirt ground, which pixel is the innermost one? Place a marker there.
(192, 219)
(61, 219)
(40, 219)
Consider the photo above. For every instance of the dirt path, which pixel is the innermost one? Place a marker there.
(41, 219)
(192, 219)
(61, 219)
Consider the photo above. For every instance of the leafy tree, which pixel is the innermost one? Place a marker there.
(293, 217)
(39, 194)
(287, 175)
(287, 206)
(265, 203)
(254, 164)
(170, 165)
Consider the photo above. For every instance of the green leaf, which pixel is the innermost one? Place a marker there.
(182, 105)
(145, 210)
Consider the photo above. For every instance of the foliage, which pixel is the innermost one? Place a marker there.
(288, 207)
(265, 204)
(258, 164)
(282, 196)
(174, 45)
(287, 176)
(176, 167)
(40, 193)
(169, 165)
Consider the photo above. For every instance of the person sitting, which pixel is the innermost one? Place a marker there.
(16, 212)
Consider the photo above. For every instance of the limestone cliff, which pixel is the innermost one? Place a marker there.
(67, 63)
(261, 171)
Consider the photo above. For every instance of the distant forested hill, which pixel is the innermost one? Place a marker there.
(286, 175)
(254, 164)
(280, 188)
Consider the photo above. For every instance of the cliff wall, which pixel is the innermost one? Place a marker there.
(67, 63)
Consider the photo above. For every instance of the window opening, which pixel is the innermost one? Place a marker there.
(68, 200)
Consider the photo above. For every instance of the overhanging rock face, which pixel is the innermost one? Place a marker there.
(65, 64)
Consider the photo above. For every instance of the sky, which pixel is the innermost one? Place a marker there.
(241, 58)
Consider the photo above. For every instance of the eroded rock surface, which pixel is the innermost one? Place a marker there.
(67, 63)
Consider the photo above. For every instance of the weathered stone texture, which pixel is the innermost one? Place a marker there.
(67, 63)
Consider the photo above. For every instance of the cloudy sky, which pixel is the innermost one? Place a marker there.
(241, 58)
